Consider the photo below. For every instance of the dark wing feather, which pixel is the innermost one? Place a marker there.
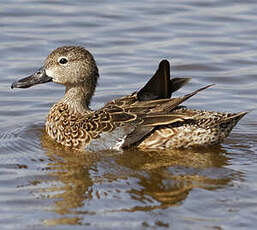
(136, 136)
(177, 83)
(160, 86)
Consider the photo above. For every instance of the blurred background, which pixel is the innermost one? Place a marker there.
(43, 186)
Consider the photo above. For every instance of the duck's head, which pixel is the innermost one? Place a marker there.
(67, 65)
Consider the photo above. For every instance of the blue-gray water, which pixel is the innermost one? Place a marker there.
(45, 187)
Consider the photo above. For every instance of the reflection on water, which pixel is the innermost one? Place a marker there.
(155, 180)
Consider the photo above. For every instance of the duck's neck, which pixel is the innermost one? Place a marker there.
(77, 98)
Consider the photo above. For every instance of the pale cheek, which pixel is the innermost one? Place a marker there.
(49, 73)
(55, 76)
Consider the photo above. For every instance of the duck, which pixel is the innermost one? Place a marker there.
(149, 118)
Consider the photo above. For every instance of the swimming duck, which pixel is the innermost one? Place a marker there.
(146, 119)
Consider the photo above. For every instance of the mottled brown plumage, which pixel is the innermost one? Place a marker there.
(145, 119)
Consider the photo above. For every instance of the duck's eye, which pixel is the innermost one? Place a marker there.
(63, 60)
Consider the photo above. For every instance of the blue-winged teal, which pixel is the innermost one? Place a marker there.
(145, 119)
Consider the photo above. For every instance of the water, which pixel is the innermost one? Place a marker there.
(45, 187)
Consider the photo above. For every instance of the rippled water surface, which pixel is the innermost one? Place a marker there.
(43, 186)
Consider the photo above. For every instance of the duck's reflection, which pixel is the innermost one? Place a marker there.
(170, 175)
(148, 180)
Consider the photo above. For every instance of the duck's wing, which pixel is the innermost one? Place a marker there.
(138, 114)
(160, 86)
(138, 119)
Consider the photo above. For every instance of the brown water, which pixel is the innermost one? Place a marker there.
(42, 186)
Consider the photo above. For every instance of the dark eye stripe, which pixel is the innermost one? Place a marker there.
(63, 61)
